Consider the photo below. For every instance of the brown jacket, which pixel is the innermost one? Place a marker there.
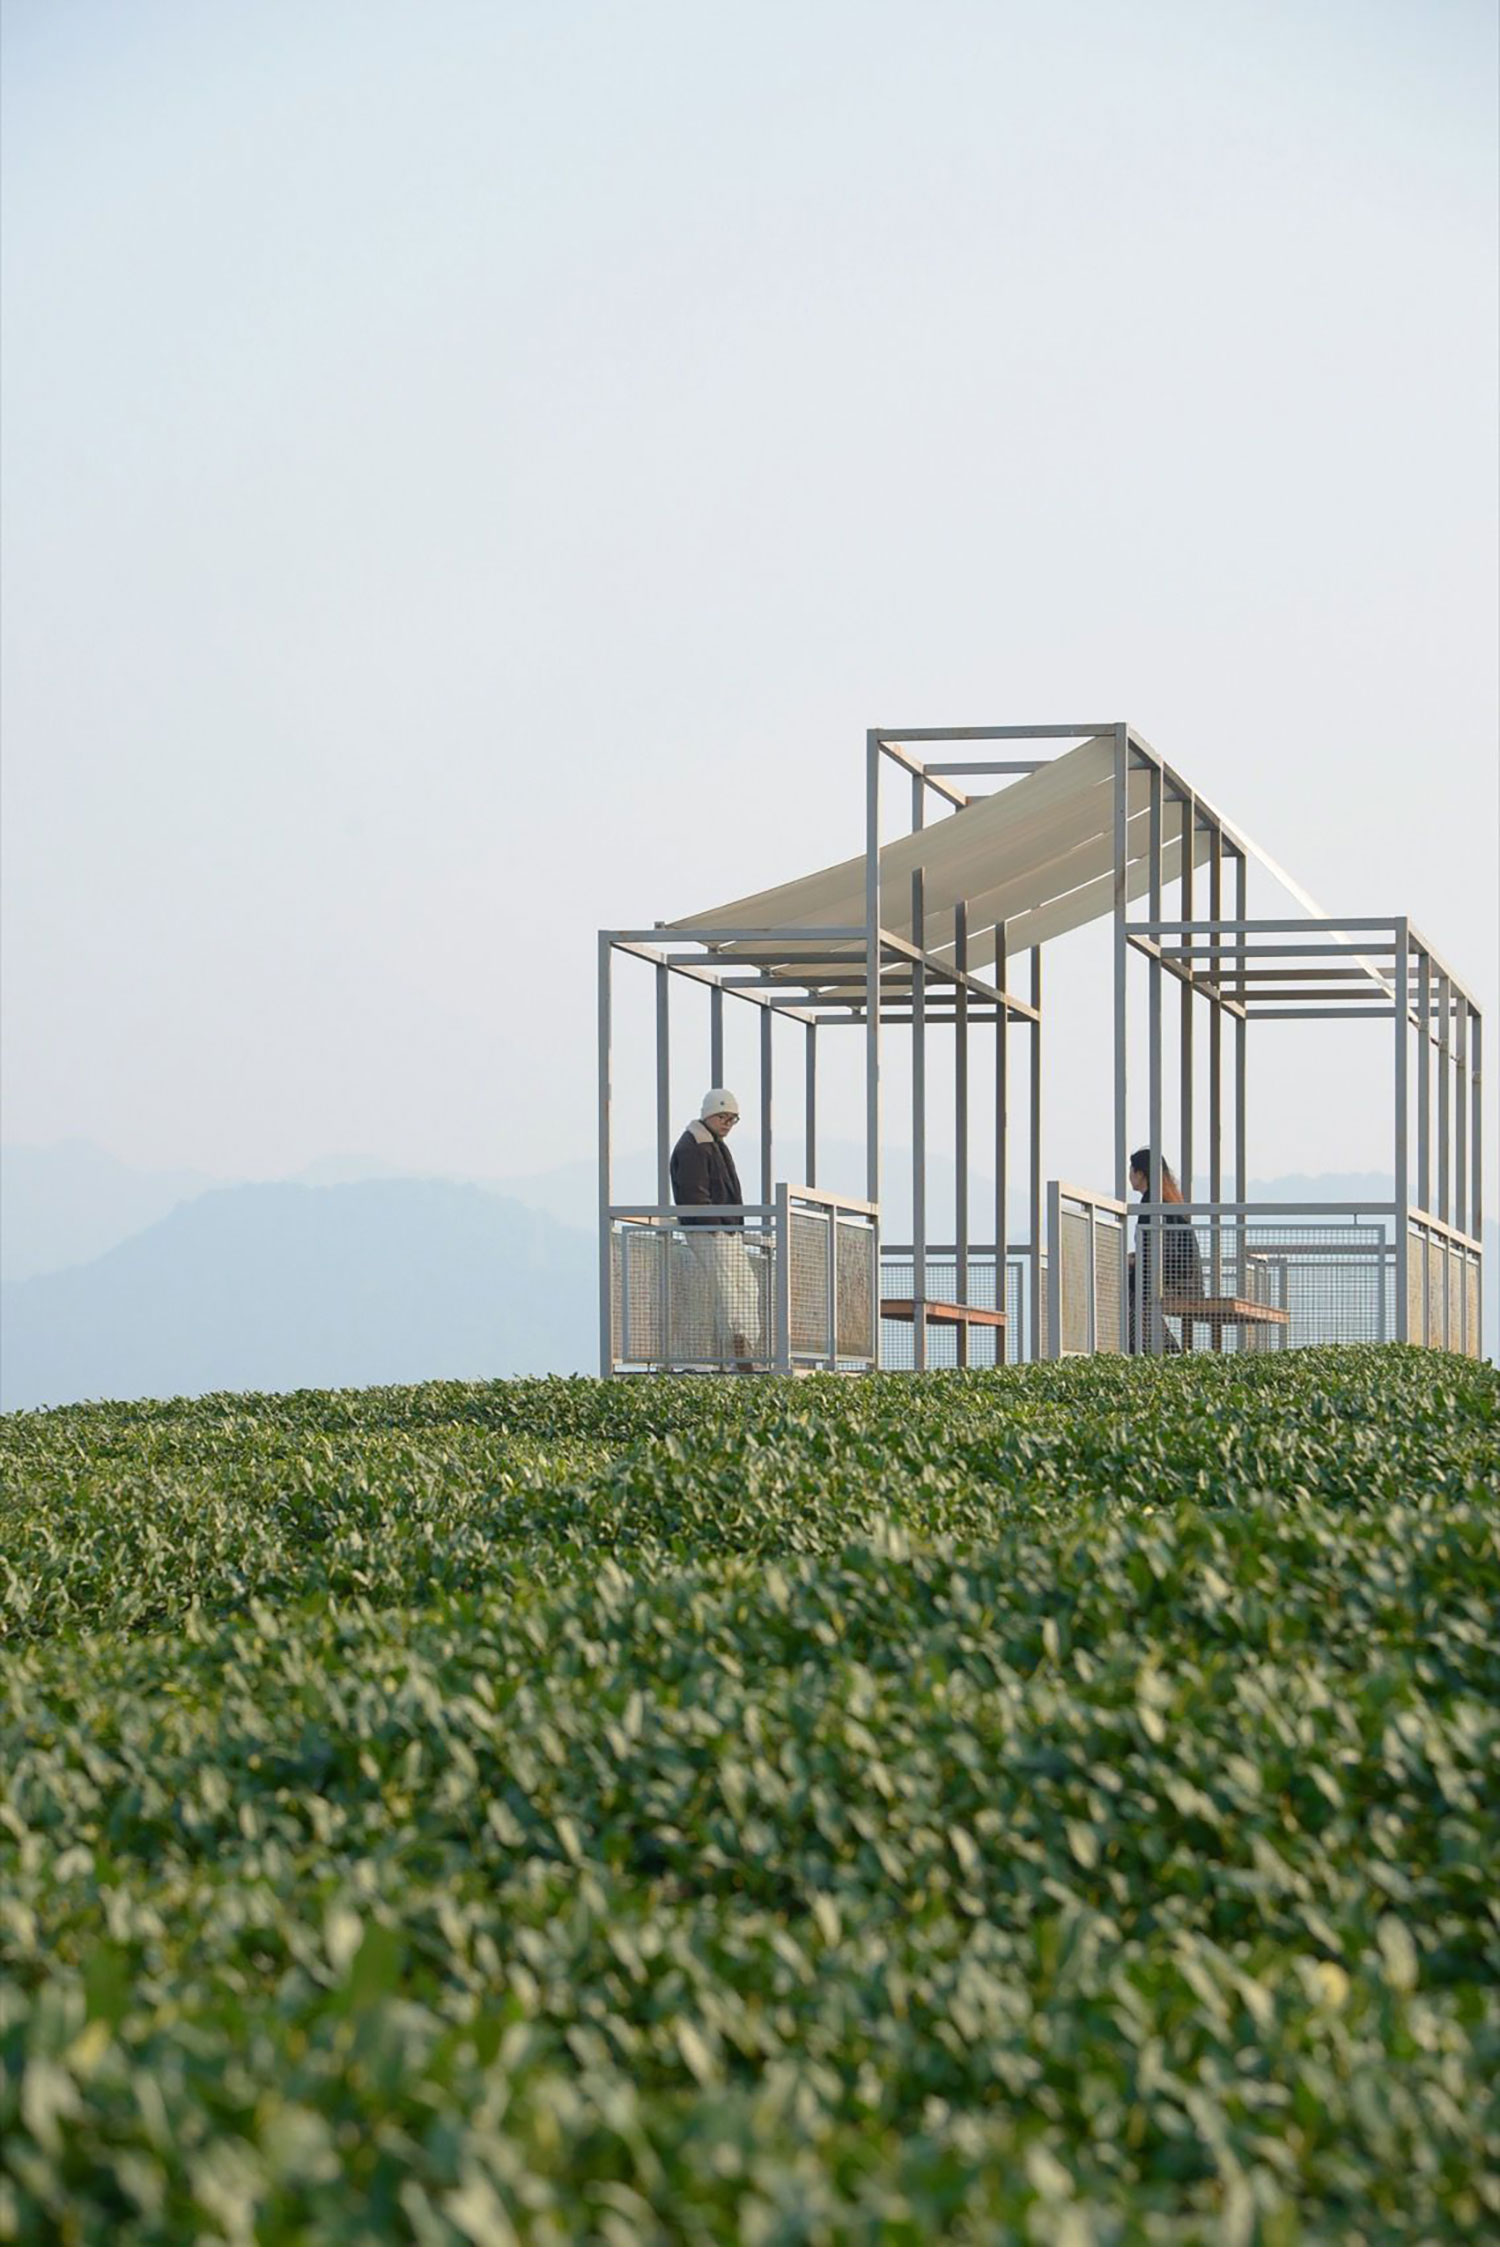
(703, 1172)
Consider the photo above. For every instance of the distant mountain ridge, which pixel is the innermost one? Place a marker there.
(287, 1286)
(387, 1279)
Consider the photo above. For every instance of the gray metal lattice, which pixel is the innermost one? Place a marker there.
(1416, 1288)
(855, 1250)
(699, 1298)
(809, 1283)
(1074, 1262)
(1327, 1280)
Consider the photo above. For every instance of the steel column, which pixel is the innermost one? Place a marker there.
(1476, 1134)
(716, 1036)
(1036, 1148)
(1424, 1080)
(1148, 1315)
(664, 1086)
(606, 1244)
(766, 1020)
(1444, 1104)
(1187, 995)
(872, 972)
(1002, 1130)
(918, 1116)
(1402, 984)
(1122, 963)
(1216, 1063)
(810, 1126)
(961, 1124)
(1241, 1067)
(1461, 1114)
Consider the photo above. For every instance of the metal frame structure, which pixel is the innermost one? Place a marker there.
(1316, 967)
(867, 975)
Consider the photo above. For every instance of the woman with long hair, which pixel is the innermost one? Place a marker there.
(1181, 1265)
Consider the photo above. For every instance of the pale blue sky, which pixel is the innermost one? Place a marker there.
(453, 452)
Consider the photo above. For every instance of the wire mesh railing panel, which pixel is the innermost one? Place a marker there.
(639, 1271)
(987, 1346)
(1455, 1299)
(1073, 1251)
(721, 1299)
(691, 1298)
(1271, 1283)
(810, 1311)
(1108, 1284)
(1471, 1287)
(1437, 1294)
(855, 1251)
(1416, 1288)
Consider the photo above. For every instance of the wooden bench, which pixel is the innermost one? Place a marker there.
(903, 1308)
(1217, 1312)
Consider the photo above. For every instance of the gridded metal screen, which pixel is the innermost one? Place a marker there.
(987, 1346)
(1109, 1280)
(1437, 1292)
(1074, 1279)
(855, 1247)
(700, 1298)
(637, 1270)
(1442, 1292)
(1319, 1280)
(809, 1282)
(1090, 1274)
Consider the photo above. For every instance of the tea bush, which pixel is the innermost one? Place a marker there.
(1059, 1805)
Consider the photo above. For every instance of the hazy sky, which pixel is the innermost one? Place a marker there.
(473, 472)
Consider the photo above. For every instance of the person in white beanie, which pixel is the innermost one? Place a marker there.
(703, 1172)
(706, 1188)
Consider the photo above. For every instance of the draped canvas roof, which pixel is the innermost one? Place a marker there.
(1038, 856)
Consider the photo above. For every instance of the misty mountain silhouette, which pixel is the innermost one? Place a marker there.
(290, 1286)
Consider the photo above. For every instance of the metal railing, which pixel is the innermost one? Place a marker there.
(791, 1288)
(1243, 1276)
(1086, 1272)
(1444, 1270)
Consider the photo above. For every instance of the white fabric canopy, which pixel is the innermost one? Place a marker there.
(1038, 856)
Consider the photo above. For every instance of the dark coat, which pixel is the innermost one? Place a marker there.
(703, 1172)
(1182, 1266)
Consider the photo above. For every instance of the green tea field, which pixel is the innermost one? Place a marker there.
(1060, 1806)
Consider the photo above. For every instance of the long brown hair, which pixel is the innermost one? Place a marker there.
(1141, 1161)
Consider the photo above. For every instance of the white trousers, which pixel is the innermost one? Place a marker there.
(719, 1311)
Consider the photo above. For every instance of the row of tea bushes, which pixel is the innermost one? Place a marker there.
(1060, 1806)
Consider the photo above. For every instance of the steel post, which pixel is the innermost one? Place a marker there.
(810, 1125)
(1002, 1130)
(606, 1244)
(1186, 994)
(1401, 981)
(1216, 1060)
(1036, 1146)
(1424, 1080)
(664, 1085)
(1461, 1114)
(766, 1020)
(1148, 1309)
(961, 1123)
(1444, 1103)
(1122, 964)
